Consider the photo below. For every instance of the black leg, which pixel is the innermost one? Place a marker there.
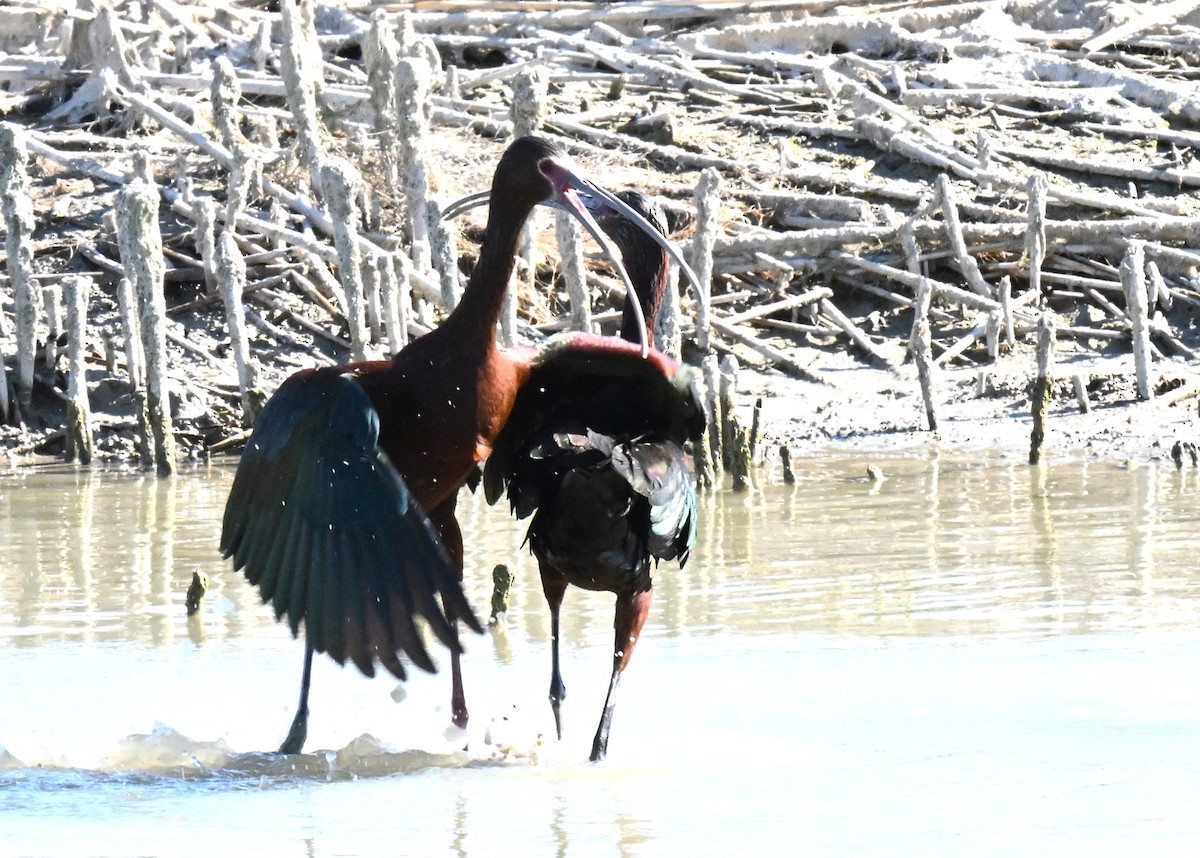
(442, 518)
(555, 586)
(458, 697)
(294, 743)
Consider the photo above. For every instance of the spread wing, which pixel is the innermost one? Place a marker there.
(323, 524)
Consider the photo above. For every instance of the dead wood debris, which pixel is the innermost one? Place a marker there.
(1029, 144)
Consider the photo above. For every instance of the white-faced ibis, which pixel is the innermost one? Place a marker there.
(342, 511)
(593, 450)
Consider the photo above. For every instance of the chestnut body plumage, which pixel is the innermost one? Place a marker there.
(342, 511)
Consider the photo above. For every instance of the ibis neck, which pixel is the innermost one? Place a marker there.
(483, 299)
(649, 277)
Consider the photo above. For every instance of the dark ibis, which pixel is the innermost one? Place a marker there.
(342, 510)
(594, 451)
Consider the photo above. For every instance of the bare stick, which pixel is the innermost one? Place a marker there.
(380, 55)
(1177, 98)
(964, 342)
(668, 327)
(791, 303)
(1042, 385)
(19, 222)
(1081, 392)
(1035, 233)
(206, 230)
(727, 391)
(445, 256)
(52, 301)
(855, 333)
(241, 178)
(920, 344)
(141, 255)
(785, 459)
(373, 299)
(5, 405)
(1143, 20)
(755, 426)
(385, 289)
(740, 457)
(1133, 279)
(135, 361)
(231, 268)
(340, 182)
(966, 263)
(402, 273)
(714, 416)
(394, 315)
(301, 76)
(1006, 309)
(992, 335)
(225, 93)
(708, 204)
(528, 110)
(79, 413)
(414, 78)
(1111, 167)
(780, 358)
(1158, 292)
(570, 250)
(941, 290)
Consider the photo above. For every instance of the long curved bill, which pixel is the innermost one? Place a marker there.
(645, 226)
(465, 204)
(569, 202)
(572, 184)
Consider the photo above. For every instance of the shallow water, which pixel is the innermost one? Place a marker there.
(966, 658)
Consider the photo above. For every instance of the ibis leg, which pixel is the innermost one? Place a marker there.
(555, 586)
(294, 743)
(628, 619)
(458, 697)
(442, 518)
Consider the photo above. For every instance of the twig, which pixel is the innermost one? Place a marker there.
(17, 210)
(79, 414)
(1144, 20)
(141, 254)
(1133, 278)
(1042, 387)
(707, 201)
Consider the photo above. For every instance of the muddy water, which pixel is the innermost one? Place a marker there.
(965, 658)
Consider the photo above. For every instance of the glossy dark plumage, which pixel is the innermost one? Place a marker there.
(325, 514)
(594, 451)
(327, 530)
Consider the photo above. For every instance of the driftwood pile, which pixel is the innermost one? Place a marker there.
(230, 193)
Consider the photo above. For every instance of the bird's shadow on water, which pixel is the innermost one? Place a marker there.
(166, 756)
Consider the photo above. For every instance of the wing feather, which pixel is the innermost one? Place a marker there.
(324, 525)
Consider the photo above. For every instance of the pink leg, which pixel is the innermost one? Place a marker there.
(628, 619)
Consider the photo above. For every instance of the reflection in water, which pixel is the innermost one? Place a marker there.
(937, 547)
(841, 663)
(558, 826)
(634, 830)
(460, 826)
